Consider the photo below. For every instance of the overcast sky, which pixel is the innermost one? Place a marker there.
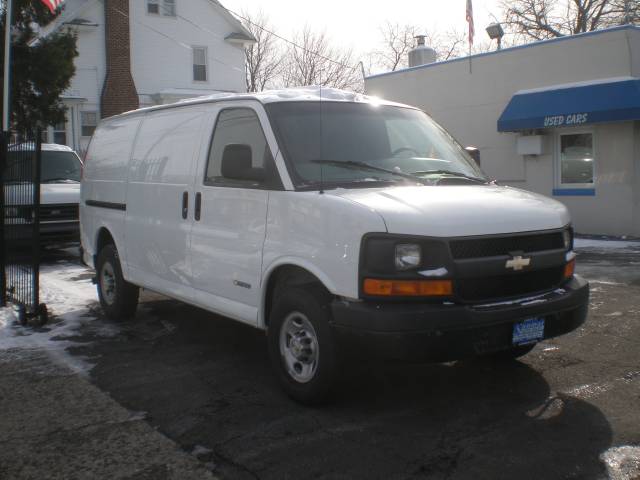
(356, 23)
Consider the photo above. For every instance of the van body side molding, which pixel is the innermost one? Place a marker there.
(109, 205)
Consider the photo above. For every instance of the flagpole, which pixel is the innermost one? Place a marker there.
(7, 66)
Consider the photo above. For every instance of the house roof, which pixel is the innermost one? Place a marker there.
(241, 29)
(72, 14)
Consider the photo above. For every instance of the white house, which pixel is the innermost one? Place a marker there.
(135, 53)
(559, 117)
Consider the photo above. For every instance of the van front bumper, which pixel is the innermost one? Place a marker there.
(446, 332)
(51, 233)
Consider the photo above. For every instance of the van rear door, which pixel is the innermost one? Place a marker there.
(160, 199)
(234, 179)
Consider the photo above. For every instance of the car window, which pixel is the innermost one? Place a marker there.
(57, 167)
(240, 126)
(324, 141)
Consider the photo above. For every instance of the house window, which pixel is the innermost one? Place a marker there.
(199, 64)
(576, 160)
(60, 133)
(89, 120)
(164, 7)
(169, 8)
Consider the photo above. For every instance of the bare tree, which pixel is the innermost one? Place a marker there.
(543, 19)
(312, 60)
(398, 40)
(264, 58)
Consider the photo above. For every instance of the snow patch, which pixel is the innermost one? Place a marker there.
(623, 463)
(67, 291)
(591, 243)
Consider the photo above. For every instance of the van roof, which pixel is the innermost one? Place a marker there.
(298, 94)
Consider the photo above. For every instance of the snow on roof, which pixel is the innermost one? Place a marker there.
(297, 94)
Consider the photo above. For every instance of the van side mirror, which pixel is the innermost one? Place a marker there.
(474, 153)
(236, 164)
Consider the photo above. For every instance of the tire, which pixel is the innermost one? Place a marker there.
(119, 298)
(301, 349)
(512, 353)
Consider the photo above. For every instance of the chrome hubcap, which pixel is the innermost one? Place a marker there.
(299, 347)
(108, 283)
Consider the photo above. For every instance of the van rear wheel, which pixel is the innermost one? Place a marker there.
(301, 349)
(119, 298)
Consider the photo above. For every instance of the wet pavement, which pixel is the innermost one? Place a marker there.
(568, 410)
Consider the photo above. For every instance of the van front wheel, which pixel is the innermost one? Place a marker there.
(300, 345)
(119, 298)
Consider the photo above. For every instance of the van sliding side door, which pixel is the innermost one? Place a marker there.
(235, 172)
(160, 200)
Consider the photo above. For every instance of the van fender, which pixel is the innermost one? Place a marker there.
(117, 239)
(295, 262)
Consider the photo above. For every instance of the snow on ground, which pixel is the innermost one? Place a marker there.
(69, 294)
(594, 243)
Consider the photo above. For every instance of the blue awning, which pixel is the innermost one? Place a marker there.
(565, 106)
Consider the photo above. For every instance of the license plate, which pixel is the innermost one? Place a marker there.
(528, 331)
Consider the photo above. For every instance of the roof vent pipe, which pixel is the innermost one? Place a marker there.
(421, 55)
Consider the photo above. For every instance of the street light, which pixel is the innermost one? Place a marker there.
(495, 32)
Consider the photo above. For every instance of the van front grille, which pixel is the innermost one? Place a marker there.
(495, 246)
(59, 212)
(504, 286)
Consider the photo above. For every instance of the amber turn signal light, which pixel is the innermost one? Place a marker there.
(408, 288)
(569, 269)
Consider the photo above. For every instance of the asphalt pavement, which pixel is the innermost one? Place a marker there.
(202, 384)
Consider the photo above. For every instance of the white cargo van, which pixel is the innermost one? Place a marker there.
(333, 221)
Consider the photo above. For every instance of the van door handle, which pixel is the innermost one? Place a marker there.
(185, 205)
(198, 206)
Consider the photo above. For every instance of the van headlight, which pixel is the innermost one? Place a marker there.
(567, 238)
(408, 256)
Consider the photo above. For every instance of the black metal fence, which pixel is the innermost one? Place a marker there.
(20, 220)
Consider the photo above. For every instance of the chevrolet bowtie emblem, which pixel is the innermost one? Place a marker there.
(518, 263)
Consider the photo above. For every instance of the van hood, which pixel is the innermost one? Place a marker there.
(56, 193)
(453, 211)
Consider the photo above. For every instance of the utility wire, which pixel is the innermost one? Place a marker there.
(284, 39)
(178, 42)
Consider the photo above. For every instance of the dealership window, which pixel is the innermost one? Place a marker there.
(576, 160)
(89, 121)
(164, 7)
(60, 133)
(199, 64)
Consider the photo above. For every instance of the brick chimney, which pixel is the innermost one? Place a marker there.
(118, 92)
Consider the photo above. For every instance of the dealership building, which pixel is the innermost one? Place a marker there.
(559, 117)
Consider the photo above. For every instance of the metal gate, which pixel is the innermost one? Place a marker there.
(20, 212)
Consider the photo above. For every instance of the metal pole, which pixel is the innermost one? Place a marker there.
(6, 109)
(4, 145)
(35, 265)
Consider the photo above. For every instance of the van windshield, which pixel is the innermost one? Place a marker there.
(334, 144)
(57, 167)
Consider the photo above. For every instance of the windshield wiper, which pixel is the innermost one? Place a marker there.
(367, 166)
(451, 172)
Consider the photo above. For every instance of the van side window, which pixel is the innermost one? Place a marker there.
(239, 155)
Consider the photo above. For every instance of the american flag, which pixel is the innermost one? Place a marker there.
(52, 4)
(472, 30)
